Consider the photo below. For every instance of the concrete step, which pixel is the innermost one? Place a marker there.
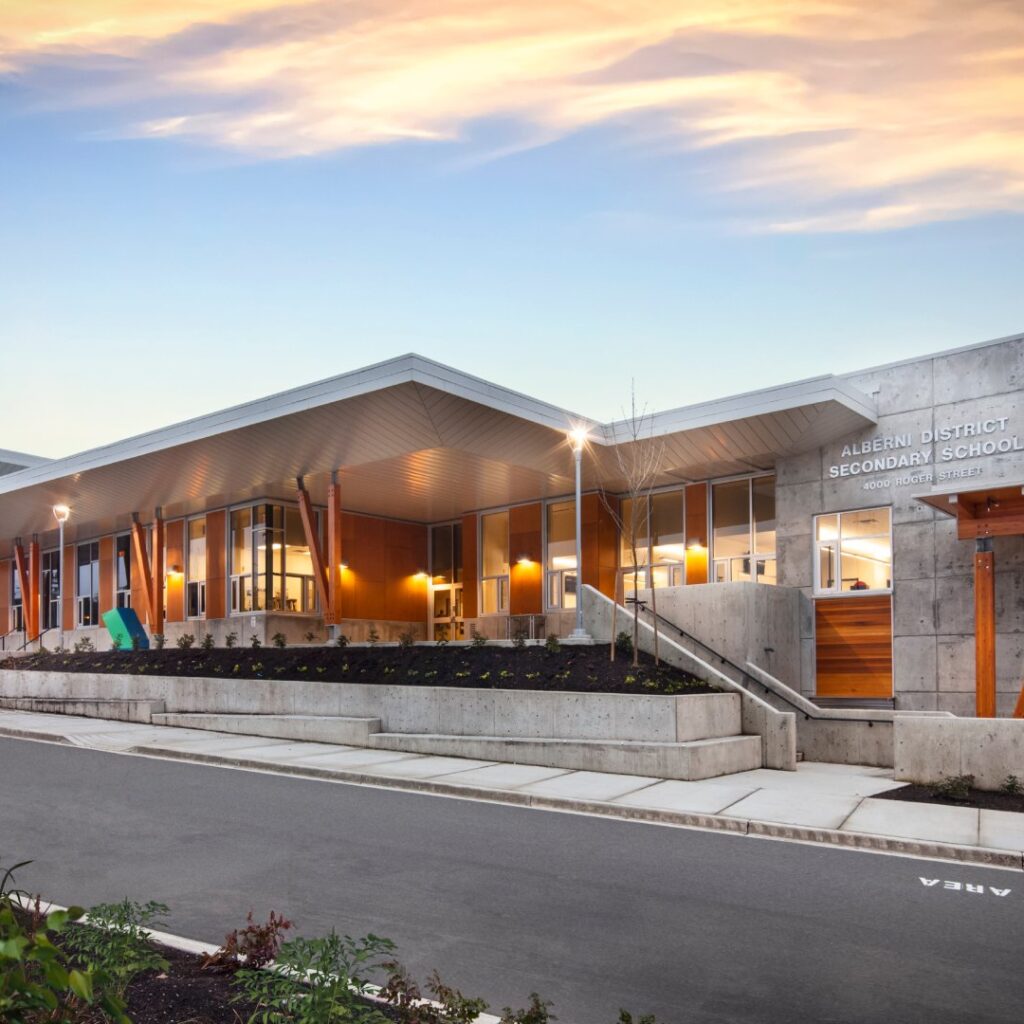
(87, 707)
(344, 729)
(694, 759)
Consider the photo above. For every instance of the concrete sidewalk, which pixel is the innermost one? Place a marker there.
(822, 803)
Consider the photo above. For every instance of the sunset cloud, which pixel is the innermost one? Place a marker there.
(818, 115)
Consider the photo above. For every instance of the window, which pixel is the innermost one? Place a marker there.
(561, 564)
(241, 560)
(51, 589)
(853, 551)
(17, 620)
(89, 584)
(123, 571)
(743, 530)
(446, 581)
(658, 522)
(195, 553)
(299, 581)
(494, 561)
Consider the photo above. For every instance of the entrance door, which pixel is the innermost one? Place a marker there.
(446, 611)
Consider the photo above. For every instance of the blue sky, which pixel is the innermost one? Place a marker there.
(148, 279)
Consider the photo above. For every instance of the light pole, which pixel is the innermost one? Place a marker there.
(61, 513)
(578, 440)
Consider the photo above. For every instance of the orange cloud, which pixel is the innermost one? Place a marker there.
(833, 114)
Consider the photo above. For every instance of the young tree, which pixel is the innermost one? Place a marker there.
(638, 461)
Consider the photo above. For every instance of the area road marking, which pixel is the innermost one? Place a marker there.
(953, 886)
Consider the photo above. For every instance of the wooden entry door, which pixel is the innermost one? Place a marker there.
(853, 643)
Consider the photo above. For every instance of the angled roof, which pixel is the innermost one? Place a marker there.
(412, 439)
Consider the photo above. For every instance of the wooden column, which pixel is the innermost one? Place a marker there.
(33, 626)
(985, 630)
(334, 555)
(158, 574)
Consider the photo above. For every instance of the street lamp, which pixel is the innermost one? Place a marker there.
(578, 440)
(61, 513)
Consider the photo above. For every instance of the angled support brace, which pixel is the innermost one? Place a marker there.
(21, 568)
(152, 572)
(315, 549)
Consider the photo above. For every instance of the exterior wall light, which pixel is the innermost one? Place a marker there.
(61, 513)
(343, 566)
(419, 575)
(524, 560)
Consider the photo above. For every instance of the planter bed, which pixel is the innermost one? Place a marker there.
(579, 669)
(982, 799)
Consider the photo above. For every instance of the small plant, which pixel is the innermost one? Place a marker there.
(373, 637)
(624, 643)
(625, 1017)
(536, 1013)
(318, 981)
(341, 641)
(115, 643)
(484, 676)
(159, 640)
(255, 945)
(478, 641)
(186, 641)
(519, 640)
(207, 642)
(116, 942)
(231, 639)
(403, 994)
(551, 644)
(279, 640)
(136, 641)
(309, 636)
(406, 640)
(84, 646)
(254, 641)
(1012, 786)
(954, 787)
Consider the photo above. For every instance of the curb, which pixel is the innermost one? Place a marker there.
(863, 841)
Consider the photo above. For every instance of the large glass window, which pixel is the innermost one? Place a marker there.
(762, 503)
(853, 551)
(51, 590)
(123, 571)
(446, 581)
(89, 584)
(658, 524)
(241, 560)
(743, 530)
(17, 620)
(195, 588)
(561, 564)
(300, 580)
(494, 563)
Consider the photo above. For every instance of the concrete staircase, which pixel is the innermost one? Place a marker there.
(342, 729)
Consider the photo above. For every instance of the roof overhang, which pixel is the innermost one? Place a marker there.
(993, 510)
(410, 439)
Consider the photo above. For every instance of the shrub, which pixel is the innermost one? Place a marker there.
(84, 646)
(627, 1018)
(159, 640)
(373, 637)
(186, 641)
(207, 642)
(279, 640)
(1012, 786)
(551, 644)
(255, 945)
(254, 641)
(116, 941)
(954, 787)
(115, 643)
(309, 635)
(231, 639)
(136, 642)
(406, 640)
(478, 641)
(317, 981)
(341, 641)
(519, 640)
(624, 643)
(403, 995)
(535, 1013)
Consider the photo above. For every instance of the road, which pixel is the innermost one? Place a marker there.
(594, 914)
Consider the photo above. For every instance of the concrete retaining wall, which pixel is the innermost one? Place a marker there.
(928, 749)
(411, 709)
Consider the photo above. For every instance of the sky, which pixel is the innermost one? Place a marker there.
(207, 201)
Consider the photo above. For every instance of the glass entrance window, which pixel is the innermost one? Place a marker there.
(494, 589)
(561, 560)
(241, 560)
(446, 582)
(123, 571)
(299, 580)
(50, 589)
(17, 621)
(668, 539)
(853, 551)
(743, 530)
(195, 587)
(89, 584)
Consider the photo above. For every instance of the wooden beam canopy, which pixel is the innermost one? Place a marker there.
(152, 571)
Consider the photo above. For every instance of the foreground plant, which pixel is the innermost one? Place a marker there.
(316, 981)
(449, 1005)
(255, 945)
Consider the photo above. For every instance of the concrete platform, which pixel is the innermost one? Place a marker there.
(697, 759)
(355, 730)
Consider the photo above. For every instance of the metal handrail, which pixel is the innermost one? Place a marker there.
(38, 637)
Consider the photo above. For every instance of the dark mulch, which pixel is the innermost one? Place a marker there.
(980, 798)
(575, 669)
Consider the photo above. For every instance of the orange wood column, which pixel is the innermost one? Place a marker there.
(32, 594)
(175, 589)
(158, 574)
(697, 533)
(985, 633)
(333, 611)
(470, 567)
(106, 574)
(69, 574)
(216, 565)
(526, 582)
(315, 552)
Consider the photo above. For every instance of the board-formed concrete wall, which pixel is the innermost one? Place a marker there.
(929, 749)
(933, 586)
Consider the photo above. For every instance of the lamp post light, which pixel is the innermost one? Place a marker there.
(61, 513)
(578, 440)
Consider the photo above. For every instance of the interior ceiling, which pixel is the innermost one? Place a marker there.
(407, 451)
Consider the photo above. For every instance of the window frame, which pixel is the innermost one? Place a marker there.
(816, 544)
(504, 581)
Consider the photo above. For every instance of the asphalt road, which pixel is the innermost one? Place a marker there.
(593, 914)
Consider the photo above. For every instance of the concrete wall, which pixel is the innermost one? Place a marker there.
(740, 621)
(929, 749)
(933, 591)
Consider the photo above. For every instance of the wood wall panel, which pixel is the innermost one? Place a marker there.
(853, 642)
(6, 571)
(696, 531)
(599, 544)
(174, 544)
(106, 575)
(384, 559)
(470, 569)
(985, 634)
(525, 540)
(69, 572)
(216, 564)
